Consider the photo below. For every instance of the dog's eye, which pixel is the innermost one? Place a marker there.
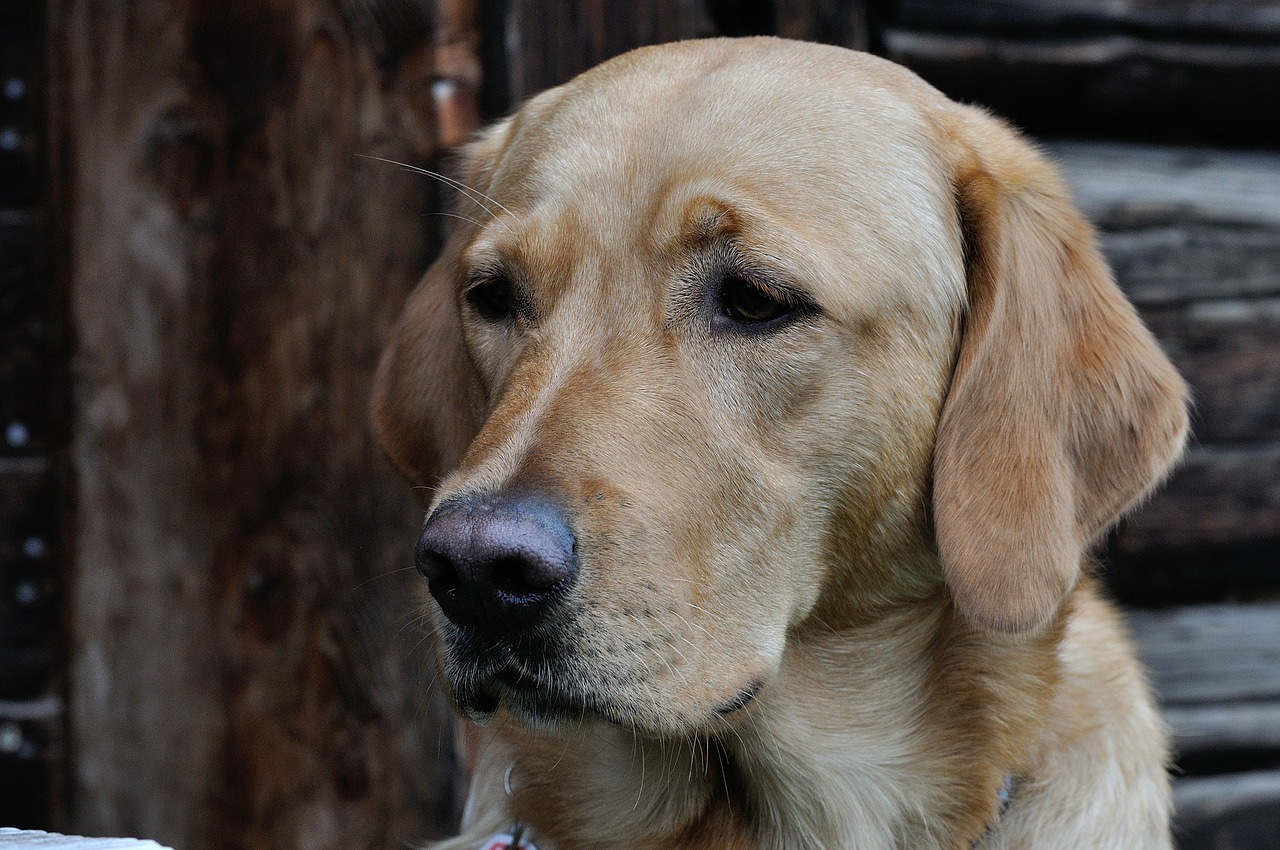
(748, 303)
(493, 298)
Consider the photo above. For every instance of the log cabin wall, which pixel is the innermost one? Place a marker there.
(207, 273)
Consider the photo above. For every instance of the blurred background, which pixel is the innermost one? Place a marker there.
(209, 628)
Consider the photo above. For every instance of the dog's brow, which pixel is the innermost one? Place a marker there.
(706, 218)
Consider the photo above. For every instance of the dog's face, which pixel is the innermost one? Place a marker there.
(696, 342)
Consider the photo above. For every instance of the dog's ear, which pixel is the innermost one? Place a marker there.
(422, 409)
(1062, 410)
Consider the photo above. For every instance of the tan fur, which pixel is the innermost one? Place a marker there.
(879, 513)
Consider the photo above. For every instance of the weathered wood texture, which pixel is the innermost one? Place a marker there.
(1194, 238)
(1211, 653)
(1180, 224)
(535, 45)
(245, 667)
(532, 45)
(1233, 812)
(1141, 69)
(1216, 669)
(1215, 729)
(1245, 18)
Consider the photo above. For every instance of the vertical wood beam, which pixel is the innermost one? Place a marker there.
(245, 666)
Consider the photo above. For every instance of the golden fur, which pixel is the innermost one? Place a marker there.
(880, 512)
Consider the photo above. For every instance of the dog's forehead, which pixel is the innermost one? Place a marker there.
(775, 108)
(823, 148)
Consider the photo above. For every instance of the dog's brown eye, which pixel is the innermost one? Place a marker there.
(746, 302)
(492, 298)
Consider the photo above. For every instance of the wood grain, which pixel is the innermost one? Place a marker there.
(1229, 351)
(1218, 496)
(1179, 224)
(245, 670)
(1232, 812)
(1227, 728)
(1118, 82)
(546, 44)
(1211, 653)
(1214, 17)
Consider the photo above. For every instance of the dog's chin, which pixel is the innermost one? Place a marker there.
(550, 710)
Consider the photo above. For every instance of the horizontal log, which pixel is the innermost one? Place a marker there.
(1248, 18)
(1219, 496)
(1130, 186)
(1098, 51)
(1104, 83)
(1229, 352)
(1230, 727)
(1232, 812)
(1211, 653)
(1180, 224)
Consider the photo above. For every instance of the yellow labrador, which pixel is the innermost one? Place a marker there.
(771, 401)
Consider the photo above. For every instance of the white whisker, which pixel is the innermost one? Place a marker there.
(474, 195)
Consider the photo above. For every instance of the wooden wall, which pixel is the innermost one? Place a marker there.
(246, 661)
(208, 619)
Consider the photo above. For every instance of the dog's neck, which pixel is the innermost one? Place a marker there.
(868, 728)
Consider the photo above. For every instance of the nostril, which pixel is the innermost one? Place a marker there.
(440, 573)
(442, 576)
(521, 578)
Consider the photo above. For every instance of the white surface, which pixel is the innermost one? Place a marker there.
(15, 838)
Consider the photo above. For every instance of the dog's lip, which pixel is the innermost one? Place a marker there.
(517, 680)
(537, 696)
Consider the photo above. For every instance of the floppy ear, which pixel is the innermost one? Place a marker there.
(422, 409)
(1062, 410)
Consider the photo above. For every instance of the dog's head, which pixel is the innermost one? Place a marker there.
(741, 338)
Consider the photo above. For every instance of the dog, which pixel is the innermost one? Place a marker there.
(770, 402)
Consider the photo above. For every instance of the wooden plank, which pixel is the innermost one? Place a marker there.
(545, 44)
(1229, 351)
(531, 45)
(1224, 728)
(1211, 653)
(841, 22)
(1220, 495)
(1252, 18)
(241, 671)
(1111, 84)
(915, 47)
(1231, 812)
(1181, 223)
(1126, 186)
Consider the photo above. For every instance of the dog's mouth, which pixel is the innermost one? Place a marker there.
(547, 701)
(554, 702)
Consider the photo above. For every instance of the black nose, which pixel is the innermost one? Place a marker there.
(497, 562)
